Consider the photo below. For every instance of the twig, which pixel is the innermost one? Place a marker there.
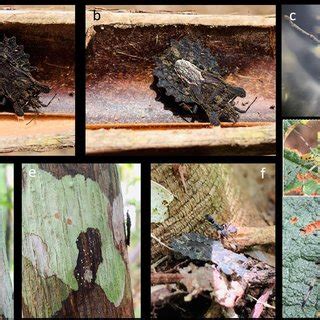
(174, 305)
(265, 304)
(246, 77)
(177, 266)
(158, 240)
(57, 66)
(131, 55)
(156, 264)
(311, 36)
(165, 278)
(254, 100)
(39, 112)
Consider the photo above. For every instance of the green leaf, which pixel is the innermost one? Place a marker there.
(288, 123)
(311, 187)
(292, 186)
(160, 200)
(292, 166)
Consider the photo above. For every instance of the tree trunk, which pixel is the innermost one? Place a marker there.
(75, 260)
(233, 194)
(6, 293)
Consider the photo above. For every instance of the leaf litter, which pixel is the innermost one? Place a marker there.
(222, 280)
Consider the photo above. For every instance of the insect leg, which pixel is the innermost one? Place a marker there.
(235, 244)
(244, 111)
(195, 109)
(227, 232)
(214, 119)
(51, 100)
(18, 110)
(2, 101)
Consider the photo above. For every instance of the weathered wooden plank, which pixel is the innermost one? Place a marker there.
(45, 133)
(257, 140)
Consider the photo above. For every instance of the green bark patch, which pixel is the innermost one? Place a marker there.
(58, 211)
(301, 253)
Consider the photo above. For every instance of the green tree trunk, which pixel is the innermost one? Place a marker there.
(6, 293)
(73, 245)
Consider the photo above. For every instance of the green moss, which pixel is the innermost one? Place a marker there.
(47, 204)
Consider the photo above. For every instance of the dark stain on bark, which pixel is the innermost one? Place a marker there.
(59, 170)
(89, 301)
(89, 257)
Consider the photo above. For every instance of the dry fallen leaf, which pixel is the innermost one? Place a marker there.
(226, 293)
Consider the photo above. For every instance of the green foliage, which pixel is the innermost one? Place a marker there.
(287, 124)
(300, 255)
(128, 173)
(5, 191)
(5, 198)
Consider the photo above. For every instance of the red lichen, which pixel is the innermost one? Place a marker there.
(294, 220)
(308, 176)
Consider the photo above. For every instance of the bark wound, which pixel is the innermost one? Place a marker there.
(89, 301)
(89, 257)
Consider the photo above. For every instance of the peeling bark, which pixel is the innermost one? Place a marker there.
(71, 208)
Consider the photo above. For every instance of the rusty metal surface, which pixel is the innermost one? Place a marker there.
(120, 64)
(51, 48)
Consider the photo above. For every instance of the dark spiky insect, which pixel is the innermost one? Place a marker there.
(128, 228)
(18, 89)
(190, 74)
(223, 229)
